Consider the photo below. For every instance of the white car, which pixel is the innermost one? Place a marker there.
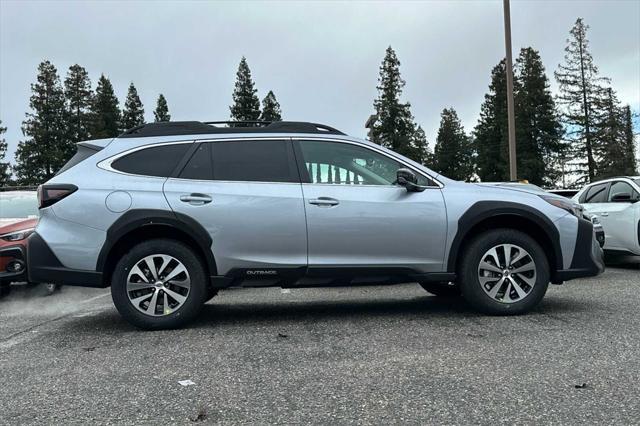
(615, 202)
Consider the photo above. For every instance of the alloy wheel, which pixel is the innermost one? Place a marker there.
(507, 273)
(158, 285)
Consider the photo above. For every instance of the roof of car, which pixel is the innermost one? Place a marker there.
(609, 179)
(176, 128)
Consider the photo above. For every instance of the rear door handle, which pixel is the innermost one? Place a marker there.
(324, 202)
(605, 214)
(196, 199)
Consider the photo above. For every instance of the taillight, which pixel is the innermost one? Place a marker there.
(49, 194)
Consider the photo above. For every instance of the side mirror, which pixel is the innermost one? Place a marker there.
(621, 198)
(408, 179)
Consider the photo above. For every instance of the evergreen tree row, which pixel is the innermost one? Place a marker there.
(246, 105)
(581, 135)
(539, 131)
(63, 114)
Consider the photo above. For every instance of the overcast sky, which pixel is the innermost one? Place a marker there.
(321, 59)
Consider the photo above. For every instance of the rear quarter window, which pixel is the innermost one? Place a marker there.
(158, 161)
(199, 165)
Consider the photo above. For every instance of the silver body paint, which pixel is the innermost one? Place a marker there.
(273, 225)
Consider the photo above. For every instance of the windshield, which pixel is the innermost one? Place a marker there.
(18, 205)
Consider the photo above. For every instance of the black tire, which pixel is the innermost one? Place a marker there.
(5, 289)
(195, 297)
(443, 289)
(469, 280)
(211, 293)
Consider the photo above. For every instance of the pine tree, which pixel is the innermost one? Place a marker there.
(46, 147)
(133, 112)
(162, 110)
(105, 111)
(453, 154)
(270, 108)
(421, 147)
(580, 91)
(538, 128)
(491, 132)
(5, 169)
(78, 95)
(394, 127)
(246, 105)
(609, 131)
(629, 147)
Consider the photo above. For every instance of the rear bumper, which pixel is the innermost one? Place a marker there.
(588, 257)
(44, 267)
(9, 256)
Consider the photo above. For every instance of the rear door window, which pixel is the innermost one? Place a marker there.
(199, 165)
(158, 161)
(254, 161)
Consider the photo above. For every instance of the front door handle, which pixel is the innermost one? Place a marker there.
(196, 199)
(324, 202)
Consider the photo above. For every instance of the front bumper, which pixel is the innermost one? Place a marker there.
(12, 258)
(588, 257)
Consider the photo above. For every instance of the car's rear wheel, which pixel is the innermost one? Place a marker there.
(504, 272)
(159, 284)
(442, 289)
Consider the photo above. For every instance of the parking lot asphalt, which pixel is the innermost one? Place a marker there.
(366, 355)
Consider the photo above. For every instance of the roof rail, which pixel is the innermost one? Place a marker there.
(174, 128)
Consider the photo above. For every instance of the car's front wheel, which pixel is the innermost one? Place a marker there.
(159, 284)
(504, 272)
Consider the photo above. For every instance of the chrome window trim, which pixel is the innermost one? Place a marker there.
(232, 181)
(106, 164)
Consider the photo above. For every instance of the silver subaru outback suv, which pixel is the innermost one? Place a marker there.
(167, 214)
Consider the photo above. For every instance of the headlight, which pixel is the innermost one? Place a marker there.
(565, 204)
(17, 235)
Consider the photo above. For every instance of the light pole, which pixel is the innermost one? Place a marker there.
(513, 172)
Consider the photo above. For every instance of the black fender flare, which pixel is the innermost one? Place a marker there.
(137, 218)
(483, 210)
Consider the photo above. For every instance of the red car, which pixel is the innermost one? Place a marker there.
(18, 218)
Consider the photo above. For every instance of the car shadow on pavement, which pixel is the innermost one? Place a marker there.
(622, 261)
(429, 308)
